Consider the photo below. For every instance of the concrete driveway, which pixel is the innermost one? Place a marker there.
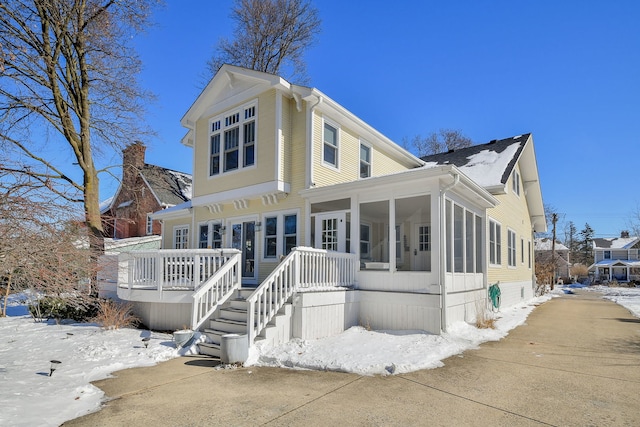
(575, 363)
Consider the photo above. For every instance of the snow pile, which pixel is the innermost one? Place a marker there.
(365, 352)
(29, 396)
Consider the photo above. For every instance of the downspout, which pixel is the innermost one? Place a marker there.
(310, 168)
(444, 254)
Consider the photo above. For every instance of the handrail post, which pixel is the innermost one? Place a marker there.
(196, 271)
(159, 259)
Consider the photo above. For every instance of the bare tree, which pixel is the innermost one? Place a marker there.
(437, 142)
(69, 88)
(43, 244)
(270, 36)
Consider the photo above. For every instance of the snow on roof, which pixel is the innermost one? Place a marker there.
(106, 204)
(125, 204)
(487, 167)
(544, 244)
(185, 182)
(615, 242)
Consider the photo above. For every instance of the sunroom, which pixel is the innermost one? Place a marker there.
(412, 231)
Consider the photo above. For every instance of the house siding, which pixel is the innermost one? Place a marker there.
(348, 156)
(264, 169)
(512, 214)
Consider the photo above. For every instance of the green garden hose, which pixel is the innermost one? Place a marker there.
(494, 294)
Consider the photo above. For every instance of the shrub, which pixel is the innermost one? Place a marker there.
(60, 308)
(115, 315)
(484, 317)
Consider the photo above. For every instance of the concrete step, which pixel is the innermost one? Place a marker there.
(209, 349)
(228, 325)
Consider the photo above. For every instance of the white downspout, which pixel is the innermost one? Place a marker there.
(444, 254)
(310, 168)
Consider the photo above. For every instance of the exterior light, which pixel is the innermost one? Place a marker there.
(258, 226)
(54, 366)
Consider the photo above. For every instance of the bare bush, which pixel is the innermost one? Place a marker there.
(115, 315)
(485, 319)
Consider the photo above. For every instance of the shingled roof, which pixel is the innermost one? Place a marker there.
(170, 187)
(488, 164)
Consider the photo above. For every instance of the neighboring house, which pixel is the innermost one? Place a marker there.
(325, 223)
(144, 189)
(616, 258)
(546, 253)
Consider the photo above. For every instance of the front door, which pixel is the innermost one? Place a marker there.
(331, 231)
(243, 238)
(422, 248)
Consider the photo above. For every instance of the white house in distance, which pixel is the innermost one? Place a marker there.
(305, 220)
(616, 258)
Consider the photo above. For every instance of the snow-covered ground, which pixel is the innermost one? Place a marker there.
(29, 396)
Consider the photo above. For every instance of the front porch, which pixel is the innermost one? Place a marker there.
(606, 271)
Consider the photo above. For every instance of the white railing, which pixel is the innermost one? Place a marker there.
(174, 269)
(216, 290)
(303, 268)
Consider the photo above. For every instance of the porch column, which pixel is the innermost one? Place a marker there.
(392, 235)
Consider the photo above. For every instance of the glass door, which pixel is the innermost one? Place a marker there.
(243, 238)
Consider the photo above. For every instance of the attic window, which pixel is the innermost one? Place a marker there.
(516, 182)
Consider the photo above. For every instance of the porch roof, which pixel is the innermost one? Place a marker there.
(615, 263)
(413, 178)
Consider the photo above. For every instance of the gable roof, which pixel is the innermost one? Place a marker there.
(544, 244)
(233, 85)
(615, 242)
(491, 165)
(169, 187)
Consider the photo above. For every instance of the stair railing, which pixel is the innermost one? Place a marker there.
(303, 268)
(216, 290)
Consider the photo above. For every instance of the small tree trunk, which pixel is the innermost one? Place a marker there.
(6, 296)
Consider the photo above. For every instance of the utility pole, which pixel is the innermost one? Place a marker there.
(554, 220)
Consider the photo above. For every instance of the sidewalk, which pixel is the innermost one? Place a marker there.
(575, 363)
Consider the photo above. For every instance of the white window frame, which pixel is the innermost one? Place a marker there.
(495, 246)
(280, 233)
(184, 229)
(219, 126)
(515, 183)
(363, 162)
(367, 242)
(336, 147)
(149, 224)
(511, 248)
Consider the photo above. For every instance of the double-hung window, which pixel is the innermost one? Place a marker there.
(330, 145)
(511, 248)
(495, 247)
(516, 182)
(232, 141)
(365, 161)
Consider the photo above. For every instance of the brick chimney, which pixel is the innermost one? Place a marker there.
(132, 163)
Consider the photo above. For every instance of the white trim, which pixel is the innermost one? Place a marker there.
(176, 228)
(247, 192)
(279, 161)
(365, 143)
(515, 248)
(498, 253)
(336, 126)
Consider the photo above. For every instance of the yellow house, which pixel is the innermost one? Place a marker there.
(305, 221)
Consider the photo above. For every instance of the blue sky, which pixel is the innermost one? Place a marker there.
(567, 71)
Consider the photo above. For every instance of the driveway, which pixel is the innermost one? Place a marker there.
(576, 362)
